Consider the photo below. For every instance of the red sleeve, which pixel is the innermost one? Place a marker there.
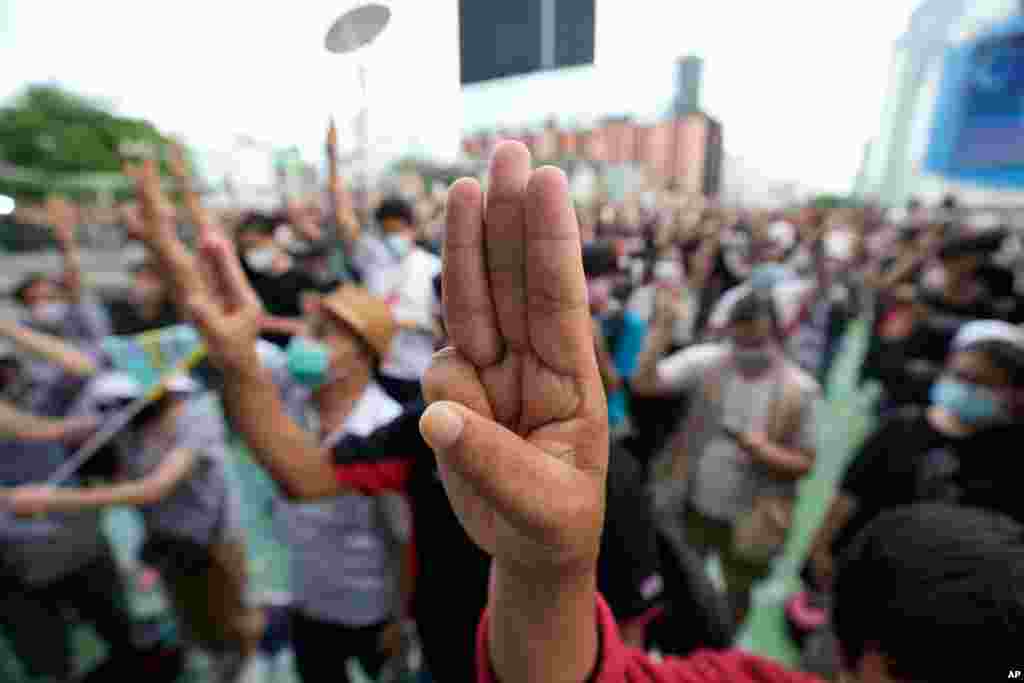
(373, 478)
(621, 664)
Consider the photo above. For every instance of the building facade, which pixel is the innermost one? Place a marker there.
(892, 167)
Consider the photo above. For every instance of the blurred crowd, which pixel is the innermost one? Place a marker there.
(716, 330)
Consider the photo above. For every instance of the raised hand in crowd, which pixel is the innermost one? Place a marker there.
(518, 418)
(63, 217)
(345, 218)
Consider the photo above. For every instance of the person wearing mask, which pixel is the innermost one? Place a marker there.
(173, 461)
(393, 268)
(524, 454)
(947, 451)
(730, 471)
(149, 305)
(63, 308)
(272, 272)
(350, 570)
(61, 565)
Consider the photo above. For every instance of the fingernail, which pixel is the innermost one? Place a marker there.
(442, 426)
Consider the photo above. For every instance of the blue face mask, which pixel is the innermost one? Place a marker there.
(766, 275)
(308, 362)
(972, 404)
(400, 245)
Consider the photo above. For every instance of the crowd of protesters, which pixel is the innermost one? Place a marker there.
(509, 432)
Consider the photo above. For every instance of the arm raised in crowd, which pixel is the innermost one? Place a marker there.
(63, 218)
(179, 167)
(155, 227)
(341, 201)
(172, 470)
(49, 348)
(17, 424)
(230, 327)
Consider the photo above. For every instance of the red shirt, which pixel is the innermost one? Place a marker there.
(621, 664)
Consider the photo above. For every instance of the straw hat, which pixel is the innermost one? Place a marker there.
(369, 316)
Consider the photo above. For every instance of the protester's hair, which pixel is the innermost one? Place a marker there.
(920, 583)
(754, 306)
(256, 221)
(395, 207)
(21, 290)
(1004, 355)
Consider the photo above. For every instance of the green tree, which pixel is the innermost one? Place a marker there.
(57, 135)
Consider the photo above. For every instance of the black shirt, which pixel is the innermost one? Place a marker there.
(908, 461)
(125, 318)
(281, 294)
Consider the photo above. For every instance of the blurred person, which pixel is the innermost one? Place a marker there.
(272, 272)
(949, 451)
(171, 462)
(63, 307)
(149, 304)
(392, 267)
(528, 487)
(729, 473)
(953, 289)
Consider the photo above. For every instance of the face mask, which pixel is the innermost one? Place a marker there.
(400, 245)
(50, 314)
(972, 404)
(261, 259)
(668, 272)
(765, 276)
(308, 362)
(753, 360)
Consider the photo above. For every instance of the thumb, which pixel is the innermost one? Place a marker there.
(534, 490)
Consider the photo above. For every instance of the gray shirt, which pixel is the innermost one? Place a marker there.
(345, 550)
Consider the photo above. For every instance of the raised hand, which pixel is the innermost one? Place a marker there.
(518, 418)
(62, 217)
(228, 312)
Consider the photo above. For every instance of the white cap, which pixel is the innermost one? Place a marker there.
(978, 331)
(984, 222)
(839, 245)
(181, 383)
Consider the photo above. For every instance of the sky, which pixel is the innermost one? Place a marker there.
(798, 85)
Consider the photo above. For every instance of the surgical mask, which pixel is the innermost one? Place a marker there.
(400, 245)
(261, 259)
(974, 405)
(752, 361)
(767, 275)
(50, 314)
(308, 362)
(668, 272)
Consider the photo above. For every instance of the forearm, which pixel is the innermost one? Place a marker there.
(276, 442)
(839, 513)
(49, 348)
(788, 463)
(541, 630)
(17, 424)
(128, 494)
(72, 269)
(645, 380)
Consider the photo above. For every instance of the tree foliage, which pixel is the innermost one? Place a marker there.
(55, 134)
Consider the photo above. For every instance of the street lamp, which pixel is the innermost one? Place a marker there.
(353, 30)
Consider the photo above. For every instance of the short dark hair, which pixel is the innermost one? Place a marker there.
(256, 221)
(919, 583)
(28, 282)
(754, 306)
(395, 207)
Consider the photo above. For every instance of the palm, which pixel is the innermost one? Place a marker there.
(517, 315)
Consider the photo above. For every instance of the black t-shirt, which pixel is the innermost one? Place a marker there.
(908, 461)
(907, 367)
(125, 318)
(628, 569)
(884, 474)
(281, 295)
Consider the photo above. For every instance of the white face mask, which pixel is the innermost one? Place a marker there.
(50, 314)
(669, 272)
(261, 259)
(399, 244)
